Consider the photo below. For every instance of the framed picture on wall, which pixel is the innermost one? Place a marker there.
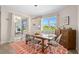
(66, 20)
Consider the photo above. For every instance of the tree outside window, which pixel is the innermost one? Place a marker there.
(49, 24)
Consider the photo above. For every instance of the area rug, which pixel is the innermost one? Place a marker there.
(20, 47)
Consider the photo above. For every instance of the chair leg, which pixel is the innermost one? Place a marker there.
(26, 41)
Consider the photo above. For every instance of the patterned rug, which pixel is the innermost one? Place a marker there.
(22, 48)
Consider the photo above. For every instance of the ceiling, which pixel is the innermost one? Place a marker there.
(39, 10)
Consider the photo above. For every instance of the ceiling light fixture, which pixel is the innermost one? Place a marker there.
(35, 5)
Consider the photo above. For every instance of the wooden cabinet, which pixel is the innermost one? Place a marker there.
(68, 39)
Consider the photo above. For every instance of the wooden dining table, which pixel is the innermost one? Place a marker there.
(44, 37)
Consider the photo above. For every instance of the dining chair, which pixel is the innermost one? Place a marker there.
(32, 39)
(27, 38)
(58, 32)
(58, 38)
(54, 42)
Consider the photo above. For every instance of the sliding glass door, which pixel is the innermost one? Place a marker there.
(21, 27)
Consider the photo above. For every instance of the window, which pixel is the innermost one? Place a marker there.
(21, 25)
(49, 24)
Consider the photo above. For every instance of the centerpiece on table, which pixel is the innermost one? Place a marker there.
(37, 33)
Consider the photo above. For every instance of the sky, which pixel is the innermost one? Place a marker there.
(52, 21)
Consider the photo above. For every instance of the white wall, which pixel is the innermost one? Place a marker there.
(70, 11)
(4, 23)
(0, 25)
(78, 27)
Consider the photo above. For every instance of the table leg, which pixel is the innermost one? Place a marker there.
(42, 46)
